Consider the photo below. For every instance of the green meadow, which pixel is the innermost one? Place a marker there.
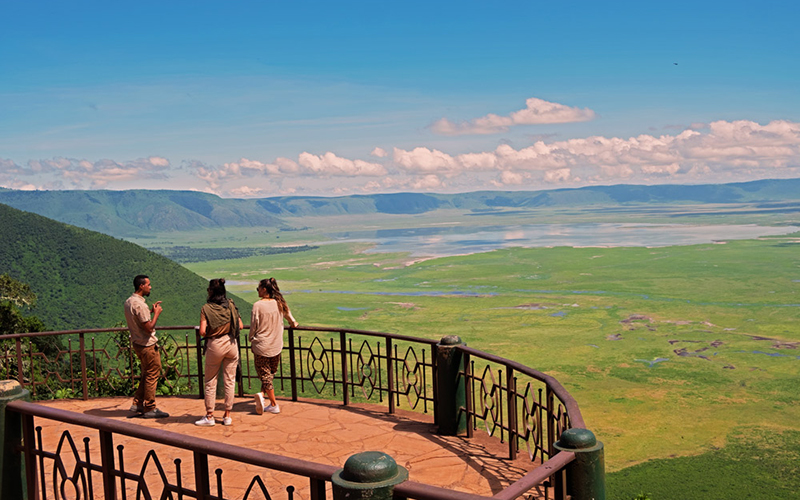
(683, 359)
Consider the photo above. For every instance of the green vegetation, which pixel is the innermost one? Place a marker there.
(667, 350)
(184, 254)
(15, 299)
(755, 464)
(82, 278)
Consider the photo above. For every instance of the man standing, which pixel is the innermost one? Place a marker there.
(144, 342)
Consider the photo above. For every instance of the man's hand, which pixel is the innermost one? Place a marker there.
(150, 326)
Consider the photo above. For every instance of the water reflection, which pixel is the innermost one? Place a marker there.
(457, 240)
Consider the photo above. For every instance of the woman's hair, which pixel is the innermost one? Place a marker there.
(273, 292)
(216, 291)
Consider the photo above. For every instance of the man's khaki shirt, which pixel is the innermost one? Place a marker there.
(136, 315)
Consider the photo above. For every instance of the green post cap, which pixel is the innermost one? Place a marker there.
(369, 470)
(10, 388)
(577, 440)
(451, 340)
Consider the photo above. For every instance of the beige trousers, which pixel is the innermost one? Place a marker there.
(220, 352)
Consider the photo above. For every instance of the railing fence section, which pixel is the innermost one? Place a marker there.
(526, 409)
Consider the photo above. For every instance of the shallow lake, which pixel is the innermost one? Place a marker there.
(439, 241)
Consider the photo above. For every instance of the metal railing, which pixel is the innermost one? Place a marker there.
(520, 406)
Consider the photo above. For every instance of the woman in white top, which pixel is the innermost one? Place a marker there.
(266, 339)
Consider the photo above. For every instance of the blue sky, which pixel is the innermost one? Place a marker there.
(271, 98)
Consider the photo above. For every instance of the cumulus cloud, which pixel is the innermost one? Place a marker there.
(246, 191)
(708, 152)
(79, 174)
(329, 164)
(323, 166)
(536, 112)
(379, 152)
(718, 146)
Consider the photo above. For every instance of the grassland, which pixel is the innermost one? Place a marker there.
(682, 358)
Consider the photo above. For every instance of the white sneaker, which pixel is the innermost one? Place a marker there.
(206, 421)
(260, 404)
(272, 409)
(227, 421)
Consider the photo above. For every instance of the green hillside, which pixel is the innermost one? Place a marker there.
(81, 277)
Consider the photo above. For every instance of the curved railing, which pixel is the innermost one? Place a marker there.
(520, 406)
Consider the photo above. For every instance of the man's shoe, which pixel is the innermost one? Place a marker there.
(259, 403)
(227, 421)
(206, 421)
(137, 409)
(272, 409)
(155, 413)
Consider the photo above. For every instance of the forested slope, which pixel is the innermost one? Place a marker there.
(82, 277)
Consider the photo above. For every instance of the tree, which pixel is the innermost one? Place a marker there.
(15, 292)
(13, 296)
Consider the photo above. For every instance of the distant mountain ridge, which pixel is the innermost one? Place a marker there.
(82, 277)
(140, 212)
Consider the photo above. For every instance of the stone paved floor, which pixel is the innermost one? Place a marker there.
(318, 431)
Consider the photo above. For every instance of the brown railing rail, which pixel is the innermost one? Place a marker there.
(523, 407)
(114, 473)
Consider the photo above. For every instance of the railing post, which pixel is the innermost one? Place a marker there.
(13, 482)
(368, 475)
(84, 378)
(586, 476)
(345, 371)
(511, 394)
(390, 373)
(201, 479)
(20, 378)
(451, 394)
(107, 461)
(317, 489)
(469, 396)
(435, 384)
(292, 364)
(551, 426)
(201, 386)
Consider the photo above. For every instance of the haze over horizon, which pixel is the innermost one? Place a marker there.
(258, 99)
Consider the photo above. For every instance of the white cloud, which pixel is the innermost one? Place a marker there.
(83, 173)
(329, 164)
(424, 160)
(245, 192)
(536, 112)
(736, 150)
(721, 146)
(427, 182)
(379, 152)
(559, 175)
(511, 178)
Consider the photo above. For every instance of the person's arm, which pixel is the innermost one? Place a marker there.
(254, 317)
(203, 323)
(290, 318)
(150, 326)
(241, 325)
